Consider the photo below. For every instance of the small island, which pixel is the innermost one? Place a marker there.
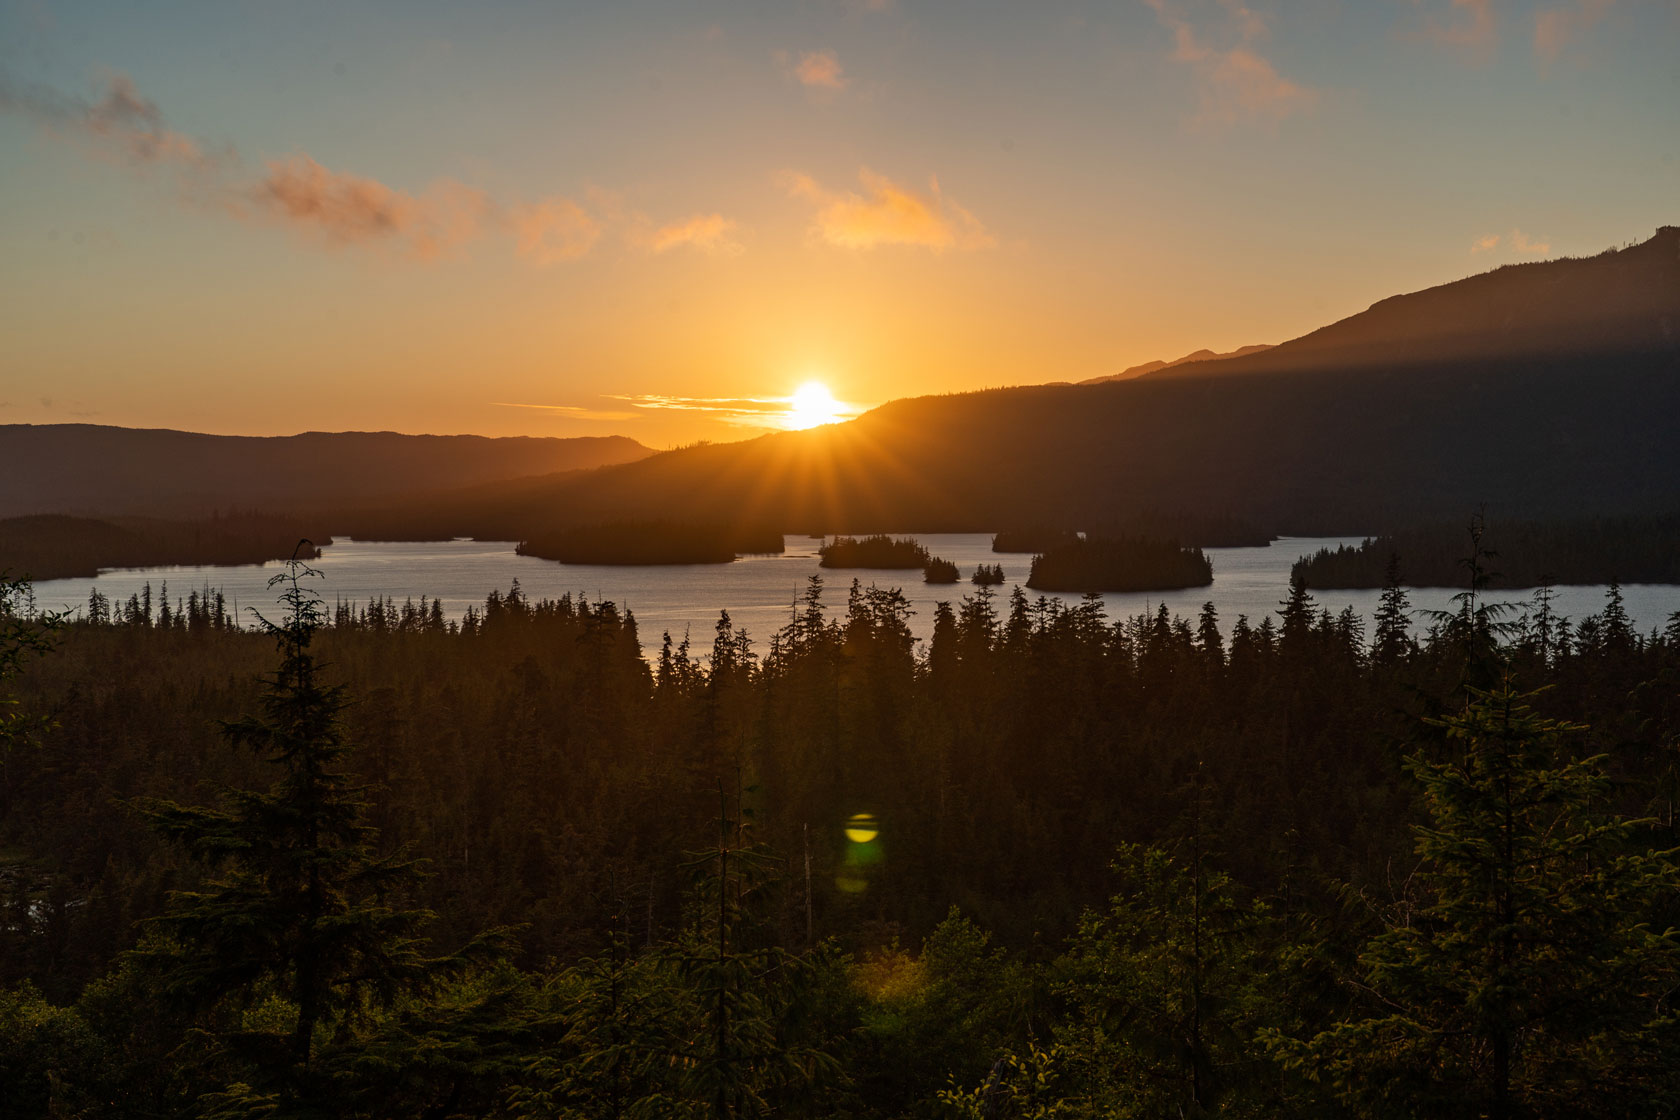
(988, 575)
(937, 570)
(878, 551)
(1032, 539)
(634, 543)
(1519, 554)
(1120, 564)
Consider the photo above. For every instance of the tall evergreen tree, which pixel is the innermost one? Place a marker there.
(1525, 978)
(1393, 618)
(293, 938)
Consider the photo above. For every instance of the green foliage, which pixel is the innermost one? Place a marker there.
(293, 944)
(51, 1062)
(1163, 997)
(1526, 972)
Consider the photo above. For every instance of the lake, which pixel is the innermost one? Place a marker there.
(758, 591)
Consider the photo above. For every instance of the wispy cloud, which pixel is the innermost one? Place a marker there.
(1516, 241)
(554, 230)
(886, 213)
(767, 413)
(1237, 83)
(816, 69)
(574, 411)
(709, 233)
(1556, 28)
(1472, 26)
(339, 208)
(345, 209)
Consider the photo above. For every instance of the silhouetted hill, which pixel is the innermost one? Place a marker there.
(1194, 356)
(1620, 302)
(1552, 391)
(95, 469)
(52, 546)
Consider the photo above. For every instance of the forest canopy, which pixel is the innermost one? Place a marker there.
(1595, 550)
(1048, 863)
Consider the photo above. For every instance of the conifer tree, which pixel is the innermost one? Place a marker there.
(294, 936)
(1393, 617)
(1526, 977)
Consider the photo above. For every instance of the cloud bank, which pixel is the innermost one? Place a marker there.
(336, 208)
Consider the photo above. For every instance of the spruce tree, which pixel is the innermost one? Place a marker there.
(1524, 977)
(1391, 641)
(293, 936)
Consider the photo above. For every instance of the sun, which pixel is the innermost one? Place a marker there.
(810, 406)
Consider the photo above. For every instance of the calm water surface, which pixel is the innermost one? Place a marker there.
(758, 591)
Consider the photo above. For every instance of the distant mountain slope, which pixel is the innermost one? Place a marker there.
(1620, 302)
(1155, 367)
(100, 470)
(1543, 390)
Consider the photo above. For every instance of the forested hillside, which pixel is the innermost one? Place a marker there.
(97, 470)
(1537, 390)
(1141, 866)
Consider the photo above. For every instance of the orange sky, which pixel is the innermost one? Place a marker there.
(659, 220)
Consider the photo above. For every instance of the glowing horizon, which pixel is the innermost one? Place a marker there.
(528, 221)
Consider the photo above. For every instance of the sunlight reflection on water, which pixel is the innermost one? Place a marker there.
(758, 591)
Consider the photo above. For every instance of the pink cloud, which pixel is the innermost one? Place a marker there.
(345, 209)
(1237, 83)
(707, 232)
(820, 69)
(340, 208)
(1556, 28)
(554, 230)
(889, 214)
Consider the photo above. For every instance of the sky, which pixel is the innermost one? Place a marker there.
(660, 220)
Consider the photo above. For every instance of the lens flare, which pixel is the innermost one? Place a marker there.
(861, 828)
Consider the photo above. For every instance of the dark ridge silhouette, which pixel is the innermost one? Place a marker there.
(1620, 302)
(98, 470)
(1186, 528)
(879, 551)
(1120, 564)
(939, 570)
(652, 543)
(1527, 554)
(1319, 448)
(53, 546)
(1156, 366)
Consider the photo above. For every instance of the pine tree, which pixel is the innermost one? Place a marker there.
(1524, 979)
(1391, 641)
(293, 937)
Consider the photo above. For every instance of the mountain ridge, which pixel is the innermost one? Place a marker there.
(103, 470)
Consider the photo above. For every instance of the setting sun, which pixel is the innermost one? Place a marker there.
(811, 406)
